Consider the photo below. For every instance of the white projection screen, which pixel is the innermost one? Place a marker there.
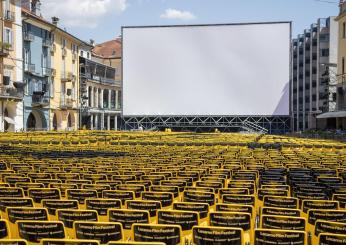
(207, 70)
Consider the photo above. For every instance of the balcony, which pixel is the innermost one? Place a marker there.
(9, 16)
(47, 43)
(5, 49)
(53, 72)
(53, 48)
(64, 52)
(29, 68)
(46, 71)
(74, 56)
(66, 103)
(39, 100)
(28, 36)
(67, 77)
(11, 93)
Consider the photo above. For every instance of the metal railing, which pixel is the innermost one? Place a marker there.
(39, 100)
(11, 93)
(66, 103)
(9, 15)
(47, 71)
(28, 36)
(29, 68)
(47, 43)
(67, 76)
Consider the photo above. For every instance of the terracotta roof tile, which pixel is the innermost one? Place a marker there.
(109, 49)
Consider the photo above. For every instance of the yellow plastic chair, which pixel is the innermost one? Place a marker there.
(103, 232)
(169, 234)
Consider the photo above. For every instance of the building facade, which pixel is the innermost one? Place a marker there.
(100, 87)
(51, 72)
(313, 89)
(11, 81)
(341, 71)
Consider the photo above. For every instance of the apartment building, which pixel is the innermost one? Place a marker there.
(100, 89)
(11, 78)
(313, 88)
(340, 115)
(51, 66)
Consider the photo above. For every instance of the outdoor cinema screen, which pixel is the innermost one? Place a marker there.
(207, 70)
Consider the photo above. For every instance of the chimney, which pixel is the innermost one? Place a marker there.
(92, 42)
(55, 20)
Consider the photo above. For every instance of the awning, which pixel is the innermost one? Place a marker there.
(333, 114)
(9, 120)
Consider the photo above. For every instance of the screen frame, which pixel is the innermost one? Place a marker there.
(207, 25)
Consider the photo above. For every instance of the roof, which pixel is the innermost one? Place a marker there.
(109, 50)
(29, 14)
(333, 114)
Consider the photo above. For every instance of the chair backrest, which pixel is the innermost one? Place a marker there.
(52, 205)
(186, 219)
(69, 216)
(80, 194)
(283, 222)
(151, 206)
(5, 232)
(169, 234)
(201, 208)
(101, 205)
(217, 235)
(329, 238)
(68, 242)
(199, 197)
(166, 198)
(16, 213)
(103, 232)
(128, 217)
(280, 202)
(273, 236)
(38, 194)
(34, 231)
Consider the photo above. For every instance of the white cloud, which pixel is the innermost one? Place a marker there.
(178, 15)
(82, 13)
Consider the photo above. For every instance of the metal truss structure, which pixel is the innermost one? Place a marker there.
(259, 124)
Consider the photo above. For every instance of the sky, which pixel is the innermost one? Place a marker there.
(101, 20)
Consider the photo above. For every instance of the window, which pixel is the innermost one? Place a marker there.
(45, 58)
(344, 30)
(81, 53)
(8, 36)
(343, 66)
(74, 48)
(63, 65)
(6, 5)
(88, 55)
(26, 56)
(52, 90)
(63, 43)
(324, 52)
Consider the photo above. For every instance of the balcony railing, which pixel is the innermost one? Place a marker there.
(67, 76)
(39, 100)
(343, 8)
(28, 36)
(66, 103)
(11, 93)
(53, 48)
(47, 43)
(5, 49)
(47, 71)
(74, 56)
(30, 68)
(9, 15)
(64, 52)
